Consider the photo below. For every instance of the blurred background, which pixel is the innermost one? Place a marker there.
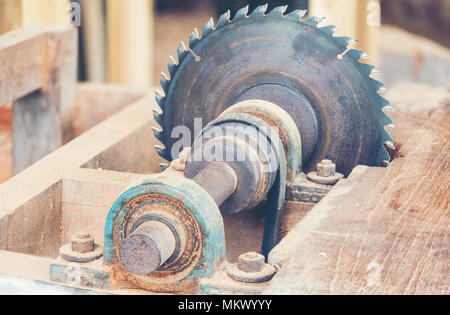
(128, 42)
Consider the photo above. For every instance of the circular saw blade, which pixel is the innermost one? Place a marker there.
(251, 52)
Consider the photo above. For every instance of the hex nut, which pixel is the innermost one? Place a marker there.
(251, 269)
(326, 168)
(326, 174)
(251, 262)
(81, 249)
(82, 243)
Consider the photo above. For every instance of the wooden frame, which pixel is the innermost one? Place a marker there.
(38, 72)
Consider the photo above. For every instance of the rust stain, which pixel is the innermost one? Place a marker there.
(172, 278)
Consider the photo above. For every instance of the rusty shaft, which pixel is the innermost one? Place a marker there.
(147, 248)
(219, 180)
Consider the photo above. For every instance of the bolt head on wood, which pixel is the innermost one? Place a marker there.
(82, 243)
(326, 168)
(251, 262)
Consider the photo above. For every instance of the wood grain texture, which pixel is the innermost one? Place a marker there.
(10, 15)
(130, 41)
(39, 12)
(31, 202)
(381, 231)
(38, 72)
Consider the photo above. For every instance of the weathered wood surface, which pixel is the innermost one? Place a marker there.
(38, 72)
(382, 231)
(416, 60)
(95, 102)
(30, 203)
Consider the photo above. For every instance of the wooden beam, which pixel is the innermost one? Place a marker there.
(130, 40)
(10, 15)
(36, 12)
(31, 201)
(94, 40)
(381, 231)
(38, 71)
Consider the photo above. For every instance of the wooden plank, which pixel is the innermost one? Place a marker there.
(95, 102)
(34, 227)
(381, 231)
(10, 15)
(39, 12)
(94, 40)
(416, 60)
(25, 266)
(87, 197)
(42, 69)
(130, 58)
(30, 203)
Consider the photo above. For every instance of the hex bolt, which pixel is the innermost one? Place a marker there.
(82, 243)
(251, 268)
(147, 248)
(81, 249)
(326, 174)
(251, 262)
(326, 168)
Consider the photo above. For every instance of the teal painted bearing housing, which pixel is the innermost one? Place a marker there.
(195, 199)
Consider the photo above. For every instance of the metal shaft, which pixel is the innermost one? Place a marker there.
(147, 248)
(219, 180)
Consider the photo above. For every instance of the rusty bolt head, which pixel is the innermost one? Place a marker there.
(82, 243)
(326, 168)
(251, 262)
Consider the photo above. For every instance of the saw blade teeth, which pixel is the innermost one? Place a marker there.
(389, 108)
(164, 166)
(242, 14)
(378, 86)
(260, 11)
(382, 89)
(345, 42)
(314, 20)
(159, 99)
(172, 66)
(165, 82)
(156, 130)
(366, 69)
(356, 54)
(388, 138)
(391, 126)
(278, 11)
(158, 133)
(330, 29)
(383, 102)
(296, 15)
(386, 120)
(158, 147)
(194, 38)
(208, 28)
(182, 52)
(390, 145)
(224, 19)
